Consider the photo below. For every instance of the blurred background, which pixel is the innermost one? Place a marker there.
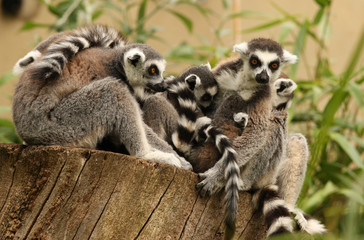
(327, 35)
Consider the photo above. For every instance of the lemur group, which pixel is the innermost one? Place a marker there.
(91, 88)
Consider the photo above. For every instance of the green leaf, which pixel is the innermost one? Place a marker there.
(323, 3)
(348, 148)
(299, 46)
(142, 9)
(353, 195)
(28, 25)
(245, 14)
(265, 25)
(286, 29)
(318, 16)
(357, 93)
(319, 197)
(97, 14)
(187, 22)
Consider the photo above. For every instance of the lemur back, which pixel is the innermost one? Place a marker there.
(59, 48)
(77, 98)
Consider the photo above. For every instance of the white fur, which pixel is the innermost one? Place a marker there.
(282, 221)
(241, 48)
(35, 54)
(238, 117)
(212, 90)
(311, 226)
(190, 125)
(186, 103)
(289, 57)
(198, 80)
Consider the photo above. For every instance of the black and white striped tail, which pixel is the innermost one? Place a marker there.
(275, 211)
(307, 223)
(232, 173)
(59, 53)
(188, 126)
(186, 108)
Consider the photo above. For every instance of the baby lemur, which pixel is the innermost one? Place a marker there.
(76, 95)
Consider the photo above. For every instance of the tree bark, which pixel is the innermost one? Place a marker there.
(52, 192)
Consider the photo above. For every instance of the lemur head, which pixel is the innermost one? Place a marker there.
(203, 84)
(143, 65)
(263, 59)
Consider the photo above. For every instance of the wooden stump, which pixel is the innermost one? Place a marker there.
(67, 193)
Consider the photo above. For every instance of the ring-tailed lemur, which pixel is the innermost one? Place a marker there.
(76, 98)
(197, 82)
(262, 144)
(59, 48)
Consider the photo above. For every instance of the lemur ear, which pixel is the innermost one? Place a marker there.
(134, 59)
(207, 65)
(289, 57)
(241, 48)
(193, 81)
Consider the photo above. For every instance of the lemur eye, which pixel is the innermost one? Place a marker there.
(254, 61)
(153, 70)
(274, 65)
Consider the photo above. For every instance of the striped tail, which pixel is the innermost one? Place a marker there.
(231, 173)
(275, 211)
(60, 52)
(189, 127)
(180, 93)
(307, 223)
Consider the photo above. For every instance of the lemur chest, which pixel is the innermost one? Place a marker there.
(246, 94)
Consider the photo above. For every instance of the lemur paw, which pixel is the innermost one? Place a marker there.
(159, 156)
(202, 124)
(241, 118)
(285, 86)
(212, 183)
(185, 164)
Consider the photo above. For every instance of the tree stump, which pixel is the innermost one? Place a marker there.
(53, 192)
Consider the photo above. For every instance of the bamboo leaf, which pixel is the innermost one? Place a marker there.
(265, 25)
(357, 93)
(319, 197)
(348, 148)
(318, 16)
(187, 22)
(140, 19)
(298, 46)
(28, 25)
(142, 9)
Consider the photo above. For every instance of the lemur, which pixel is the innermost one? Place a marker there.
(248, 84)
(75, 95)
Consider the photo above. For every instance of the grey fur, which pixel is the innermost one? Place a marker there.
(90, 100)
(261, 147)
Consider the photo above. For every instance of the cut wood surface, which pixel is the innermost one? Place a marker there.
(52, 192)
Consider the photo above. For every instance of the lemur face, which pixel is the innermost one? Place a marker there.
(265, 66)
(265, 59)
(203, 84)
(144, 66)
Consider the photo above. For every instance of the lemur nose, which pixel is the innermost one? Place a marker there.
(262, 77)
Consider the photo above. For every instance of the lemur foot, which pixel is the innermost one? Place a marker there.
(241, 118)
(158, 156)
(212, 182)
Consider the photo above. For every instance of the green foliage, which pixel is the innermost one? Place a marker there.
(328, 106)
